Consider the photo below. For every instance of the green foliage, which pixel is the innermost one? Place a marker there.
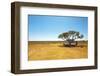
(70, 35)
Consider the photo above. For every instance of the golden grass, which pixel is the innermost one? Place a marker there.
(53, 51)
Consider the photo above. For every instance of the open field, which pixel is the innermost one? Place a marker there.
(52, 50)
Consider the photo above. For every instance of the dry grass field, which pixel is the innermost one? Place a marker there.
(55, 50)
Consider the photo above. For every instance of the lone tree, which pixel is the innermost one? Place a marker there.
(70, 37)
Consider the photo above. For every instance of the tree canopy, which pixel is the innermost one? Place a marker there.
(70, 36)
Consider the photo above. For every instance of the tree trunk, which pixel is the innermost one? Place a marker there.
(70, 44)
(76, 43)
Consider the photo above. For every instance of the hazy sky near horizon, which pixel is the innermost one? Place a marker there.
(48, 28)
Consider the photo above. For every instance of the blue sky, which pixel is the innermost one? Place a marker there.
(47, 28)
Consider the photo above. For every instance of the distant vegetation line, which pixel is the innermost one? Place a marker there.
(52, 41)
(45, 41)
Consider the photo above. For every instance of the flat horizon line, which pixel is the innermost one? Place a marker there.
(60, 40)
